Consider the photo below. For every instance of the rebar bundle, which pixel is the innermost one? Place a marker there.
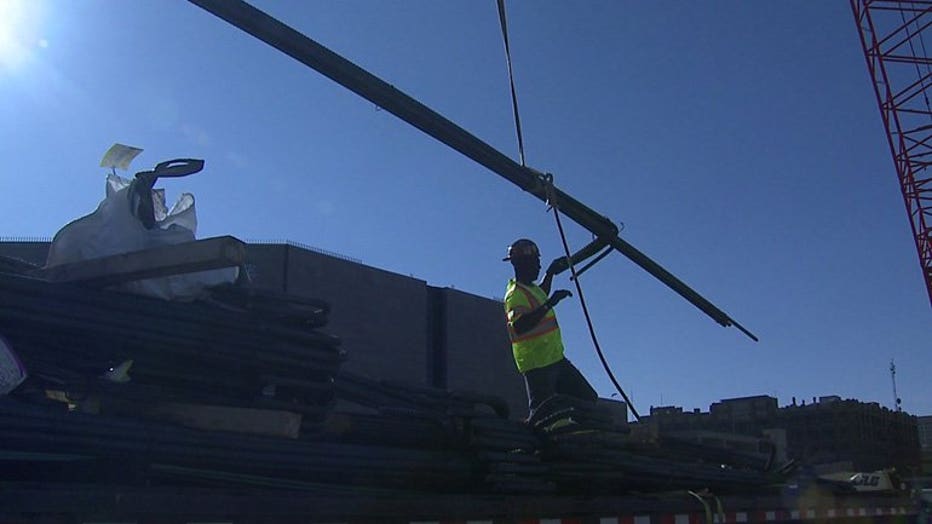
(244, 389)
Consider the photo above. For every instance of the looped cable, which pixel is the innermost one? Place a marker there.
(552, 202)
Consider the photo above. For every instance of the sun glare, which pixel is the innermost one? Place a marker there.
(15, 34)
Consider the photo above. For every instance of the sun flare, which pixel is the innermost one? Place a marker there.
(14, 46)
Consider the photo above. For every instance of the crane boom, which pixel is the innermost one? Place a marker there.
(893, 40)
(314, 55)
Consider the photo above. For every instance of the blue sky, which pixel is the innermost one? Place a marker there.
(738, 142)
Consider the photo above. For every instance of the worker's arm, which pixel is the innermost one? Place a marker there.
(558, 265)
(547, 282)
(527, 321)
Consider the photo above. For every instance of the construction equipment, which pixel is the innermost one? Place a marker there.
(314, 55)
(892, 39)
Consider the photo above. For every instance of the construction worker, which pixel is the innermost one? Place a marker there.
(535, 336)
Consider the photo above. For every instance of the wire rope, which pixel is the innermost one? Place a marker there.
(582, 299)
(511, 80)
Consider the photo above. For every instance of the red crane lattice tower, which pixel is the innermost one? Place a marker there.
(892, 35)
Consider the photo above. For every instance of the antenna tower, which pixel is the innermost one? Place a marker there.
(892, 36)
(896, 398)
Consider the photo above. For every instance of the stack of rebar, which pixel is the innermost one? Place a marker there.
(605, 461)
(101, 448)
(77, 418)
(389, 396)
(509, 455)
(70, 337)
(80, 418)
(504, 451)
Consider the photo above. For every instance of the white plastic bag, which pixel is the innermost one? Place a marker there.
(113, 229)
(12, 371)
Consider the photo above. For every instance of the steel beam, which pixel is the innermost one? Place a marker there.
(314, 55)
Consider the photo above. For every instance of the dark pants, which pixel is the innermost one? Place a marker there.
(559, 378)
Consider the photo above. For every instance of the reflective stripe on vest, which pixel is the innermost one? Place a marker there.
(547, 324)
(542, 345)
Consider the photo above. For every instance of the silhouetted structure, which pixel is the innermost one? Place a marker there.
(849, 433)
(393, 327)
(397, 327)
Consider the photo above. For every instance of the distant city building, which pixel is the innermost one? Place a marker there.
(925, 431)
(867, 435)
(925, 442)
(829, 431)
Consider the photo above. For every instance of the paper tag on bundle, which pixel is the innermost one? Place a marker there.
(119, 156)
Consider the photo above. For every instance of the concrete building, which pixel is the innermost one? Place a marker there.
(925, 442)
(925, 431)
(867, 435)
(847, 434)
(392, 326)
(745, 415)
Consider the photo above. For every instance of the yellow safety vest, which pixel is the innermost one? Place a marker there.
(543, 344)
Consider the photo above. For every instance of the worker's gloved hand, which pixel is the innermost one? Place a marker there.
(558, 266)
(557, 296)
